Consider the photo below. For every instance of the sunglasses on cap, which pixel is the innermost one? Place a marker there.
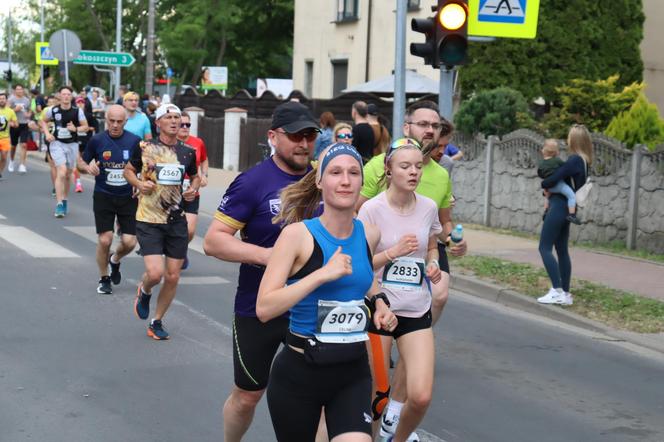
(297, 137)
(345, 136)
(185, 124)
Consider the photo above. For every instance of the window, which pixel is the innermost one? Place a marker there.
(413, 5)
(339, 76)
(346, 10)
(309, 78)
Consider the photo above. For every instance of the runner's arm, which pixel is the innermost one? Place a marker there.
(274, 297)
(220, 241)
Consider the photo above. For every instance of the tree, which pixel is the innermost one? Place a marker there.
(586, 39)
(593, 103)
(640, 124)
(495, 112)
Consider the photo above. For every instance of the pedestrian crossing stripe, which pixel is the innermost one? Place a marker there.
(34, 244)
(502, 11)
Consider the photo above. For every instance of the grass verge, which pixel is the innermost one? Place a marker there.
(618, 309)
(614, 247)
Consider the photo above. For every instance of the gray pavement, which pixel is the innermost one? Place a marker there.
(77, 366)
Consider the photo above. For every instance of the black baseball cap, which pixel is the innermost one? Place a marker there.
(372, 109)
(293, 117)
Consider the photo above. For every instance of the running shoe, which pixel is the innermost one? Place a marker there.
(552, 297)
(60, 211)
(10, 166)
(157, 331)
(104, 286)
(21, 169)
(53, 192)
(64, 203)
(116, 276)
(79, 187)
(388, 426)
(185, 263)
(142, 303)
(568, 299)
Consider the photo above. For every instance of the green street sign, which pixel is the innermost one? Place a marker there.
(101, 58)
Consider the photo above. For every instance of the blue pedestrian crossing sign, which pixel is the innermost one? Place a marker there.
(43, 54)
(503, 18)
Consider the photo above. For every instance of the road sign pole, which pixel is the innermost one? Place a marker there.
(446, 92)
(118, 43)
(64, 44)
(41, 77)
(9, 45)
(399, 108)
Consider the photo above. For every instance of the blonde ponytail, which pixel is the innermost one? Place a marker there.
(299, 200)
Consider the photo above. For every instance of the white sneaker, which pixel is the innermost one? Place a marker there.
(22, 169)
(568, 299)
(552, 297)
(10, 166)
(388, 426)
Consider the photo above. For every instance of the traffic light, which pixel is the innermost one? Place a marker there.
(452, 32)
(426, 50)
(8, 75)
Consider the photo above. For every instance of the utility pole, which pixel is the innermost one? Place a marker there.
(118, 44)
(9, 47)
(41, 77)
(399, 108)
(149, 59)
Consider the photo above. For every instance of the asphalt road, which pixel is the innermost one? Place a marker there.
(78, 366)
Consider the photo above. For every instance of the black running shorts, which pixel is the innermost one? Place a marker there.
(191, 206)
(298, 392)
(254, 345)
(107, 207)
(406, 325)
(170, 239)
(19, 134)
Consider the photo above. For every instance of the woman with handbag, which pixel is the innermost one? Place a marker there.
(555, 230)
(320, 270)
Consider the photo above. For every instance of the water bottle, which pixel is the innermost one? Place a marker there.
(457, 234)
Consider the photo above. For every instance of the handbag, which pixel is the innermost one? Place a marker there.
(584, 191)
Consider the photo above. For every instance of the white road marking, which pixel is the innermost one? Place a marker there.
(90, 233)
(2, 216)
(202, 280)
(34, 244)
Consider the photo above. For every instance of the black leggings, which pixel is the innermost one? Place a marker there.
(555, 233)
(298, 391)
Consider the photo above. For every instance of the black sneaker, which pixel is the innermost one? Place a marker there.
(104, 286)
(142, 303)
(116, 276)
(157, 331)
(573, 219)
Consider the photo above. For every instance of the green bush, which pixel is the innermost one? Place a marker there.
(494, 112)
(640, 124)
(589, 102)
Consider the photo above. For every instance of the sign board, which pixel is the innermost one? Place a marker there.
(65, 45)
(169, 72)
(102, 58)
(214, 77)
(503, 18)
(43, 54)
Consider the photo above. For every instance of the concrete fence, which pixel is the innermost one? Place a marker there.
(496, 184)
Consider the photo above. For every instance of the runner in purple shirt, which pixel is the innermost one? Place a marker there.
(249, 205)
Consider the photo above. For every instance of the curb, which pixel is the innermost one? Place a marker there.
(512, 299)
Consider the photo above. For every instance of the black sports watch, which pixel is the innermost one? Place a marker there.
(382, 296)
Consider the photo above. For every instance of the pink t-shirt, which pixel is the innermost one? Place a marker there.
(403, 280)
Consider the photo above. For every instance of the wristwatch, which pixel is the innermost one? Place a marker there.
(382, 296)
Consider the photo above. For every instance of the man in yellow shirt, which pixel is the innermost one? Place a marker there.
(7, 119)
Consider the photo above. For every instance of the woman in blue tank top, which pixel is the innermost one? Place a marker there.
(321, 270)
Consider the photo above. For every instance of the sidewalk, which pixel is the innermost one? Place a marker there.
(623, 273)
